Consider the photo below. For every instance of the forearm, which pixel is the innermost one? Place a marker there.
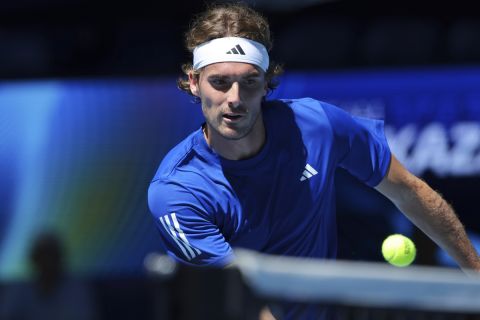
(436, 218)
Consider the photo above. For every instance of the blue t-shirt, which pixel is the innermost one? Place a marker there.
(281, 201)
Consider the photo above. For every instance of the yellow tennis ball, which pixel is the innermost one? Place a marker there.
(398, 250)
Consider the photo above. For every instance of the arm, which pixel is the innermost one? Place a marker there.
(430, 212)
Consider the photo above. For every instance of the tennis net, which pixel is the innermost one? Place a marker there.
(348, 289)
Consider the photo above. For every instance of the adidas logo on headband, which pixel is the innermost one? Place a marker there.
(235, 51)
(230, 49)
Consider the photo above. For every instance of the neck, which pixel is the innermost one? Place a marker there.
(240, 149)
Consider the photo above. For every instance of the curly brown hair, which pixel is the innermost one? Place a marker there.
(229, 20)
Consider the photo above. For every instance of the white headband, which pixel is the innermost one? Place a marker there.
(230, 49)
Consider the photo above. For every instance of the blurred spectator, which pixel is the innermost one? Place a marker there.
(52, 293)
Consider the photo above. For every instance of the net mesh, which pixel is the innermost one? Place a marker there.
(333, 289)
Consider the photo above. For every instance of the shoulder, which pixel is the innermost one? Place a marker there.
(293, 104)
(188, 176)
(174, 170)
(320, 111)
(176, 157)
(189, 163)
(306, 113)
(304, 108)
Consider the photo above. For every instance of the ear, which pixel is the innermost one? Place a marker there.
(265, 84)
(193, 80)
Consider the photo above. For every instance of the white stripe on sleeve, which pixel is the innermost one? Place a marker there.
(181, 234)
(185, 245)
(174, 236)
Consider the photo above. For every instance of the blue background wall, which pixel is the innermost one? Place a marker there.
(76, 156)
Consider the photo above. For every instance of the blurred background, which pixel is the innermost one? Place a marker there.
(89, 106)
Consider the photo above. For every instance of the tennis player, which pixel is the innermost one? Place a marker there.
(259, 174)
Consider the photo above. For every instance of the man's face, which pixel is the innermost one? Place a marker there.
(231, 95)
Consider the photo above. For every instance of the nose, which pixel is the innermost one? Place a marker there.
(234, 95)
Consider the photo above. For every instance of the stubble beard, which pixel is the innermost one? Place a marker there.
(240, 134)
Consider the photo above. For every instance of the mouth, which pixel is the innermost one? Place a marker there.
(232, 117)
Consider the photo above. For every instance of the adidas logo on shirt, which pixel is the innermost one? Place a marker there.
(236, 50)
(172, 227)
(308, 172)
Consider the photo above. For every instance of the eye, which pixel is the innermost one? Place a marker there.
(219, 83)
(251, 82)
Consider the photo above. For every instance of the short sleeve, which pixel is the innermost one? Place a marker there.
(187, 232)
(361, 145)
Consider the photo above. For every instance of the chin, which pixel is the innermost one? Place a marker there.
(233, 136)
(230, 134)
